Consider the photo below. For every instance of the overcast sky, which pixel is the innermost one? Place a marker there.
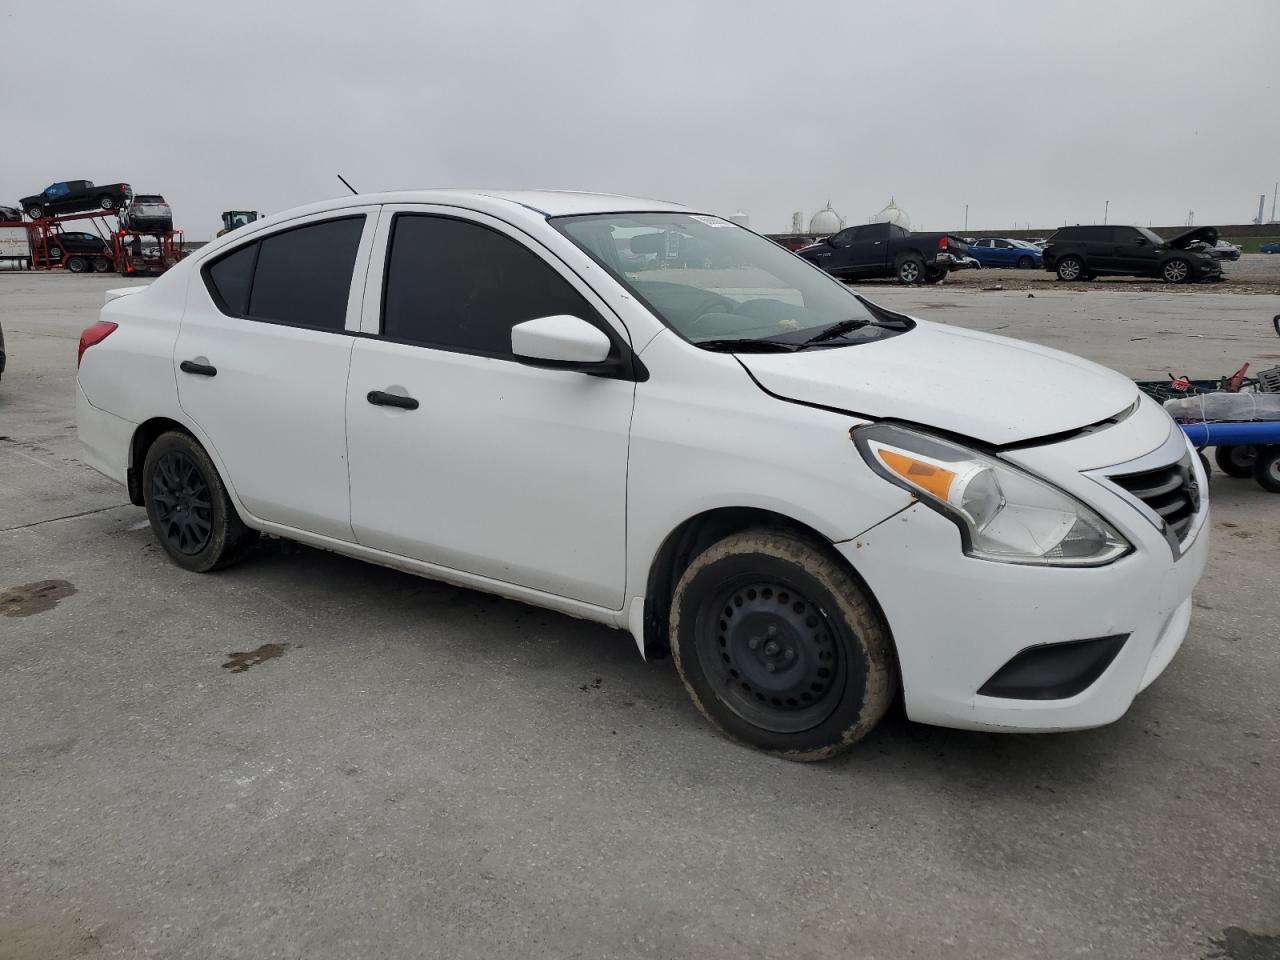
(1027, 112)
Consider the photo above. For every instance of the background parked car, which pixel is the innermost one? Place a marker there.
(872, 250)
(147, 212)
(1084, 252)
(1002, 252)
(10, 214)
(1272, 247)
(1222, 250)
(72, 196)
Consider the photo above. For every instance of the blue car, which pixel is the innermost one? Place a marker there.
(999, 252)
(1273, 247)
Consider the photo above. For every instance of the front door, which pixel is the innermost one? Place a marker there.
(262, 360)
(460, 455)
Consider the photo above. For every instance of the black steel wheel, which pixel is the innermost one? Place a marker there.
(101, 265)
(1236, 461)
(1266, 468)
(77, 264)
(190, 512)
(779, 645)
(1025, 263)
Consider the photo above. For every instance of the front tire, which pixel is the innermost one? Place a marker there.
(35, 212)
(1025, 263)
(1236, 461)
(1175, 270)
(1070, 269)
(911, 270)
(780, 647)
(188, 506)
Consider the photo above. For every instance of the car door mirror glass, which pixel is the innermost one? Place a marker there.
(560, 341)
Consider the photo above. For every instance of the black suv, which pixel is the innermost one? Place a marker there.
(1082, 253)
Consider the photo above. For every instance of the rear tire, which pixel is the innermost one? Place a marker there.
(107, 202)
(1070, 269)
(101, 265)
(1025, 263)
(1175, 270)
(1236, 461)
(780, 646)
(77, 264)
(1266, 469)
(188, 506)
(910, 270)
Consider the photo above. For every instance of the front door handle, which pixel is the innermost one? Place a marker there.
(383, 399)
(199, 369)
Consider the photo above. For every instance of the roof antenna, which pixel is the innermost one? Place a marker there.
(347, 185)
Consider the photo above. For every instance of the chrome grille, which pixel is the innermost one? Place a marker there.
(1170, 491)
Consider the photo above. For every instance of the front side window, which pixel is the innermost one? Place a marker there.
(740, 287)
(57, 190)
(300, 277)
(460, 286)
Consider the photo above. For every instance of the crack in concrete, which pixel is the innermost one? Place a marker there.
(69, 516)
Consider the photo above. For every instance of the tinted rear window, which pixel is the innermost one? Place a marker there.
(231, 278)
(303, 275)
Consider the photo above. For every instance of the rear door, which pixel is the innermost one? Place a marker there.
(462, 456)
(869, 252)
(262, 360)
(1100, 250)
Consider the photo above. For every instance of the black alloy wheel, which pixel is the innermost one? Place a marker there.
(184, 503)
(190, 511)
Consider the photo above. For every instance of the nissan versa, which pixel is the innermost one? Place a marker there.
(813, 502)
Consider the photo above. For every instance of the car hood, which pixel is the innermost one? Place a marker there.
(1182, 241)
(990, 388)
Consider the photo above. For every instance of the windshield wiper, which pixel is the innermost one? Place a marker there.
(836, 330)
(746, 345)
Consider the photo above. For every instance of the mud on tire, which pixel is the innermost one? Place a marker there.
(780, 646)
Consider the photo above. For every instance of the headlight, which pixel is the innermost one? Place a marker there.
(1003, 513)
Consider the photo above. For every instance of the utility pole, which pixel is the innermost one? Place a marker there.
(966, 216)
(1273, 201)
(1106, 212)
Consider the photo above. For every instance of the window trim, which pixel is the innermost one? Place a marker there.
(224, 308)
(626, 365)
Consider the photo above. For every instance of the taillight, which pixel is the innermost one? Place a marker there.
(94, 333)
(942, 243)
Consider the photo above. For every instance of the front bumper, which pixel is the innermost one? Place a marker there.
(957, 620)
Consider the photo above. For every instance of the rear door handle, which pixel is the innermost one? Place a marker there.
(383, 399)
(199, 369)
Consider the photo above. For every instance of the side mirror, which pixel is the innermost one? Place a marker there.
(1141, 241)
(564, 342)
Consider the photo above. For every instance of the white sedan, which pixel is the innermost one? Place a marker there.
(813, 503)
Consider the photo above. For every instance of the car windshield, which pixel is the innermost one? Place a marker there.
(716, 284)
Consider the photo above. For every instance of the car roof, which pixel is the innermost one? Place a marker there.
(548, 203)
(514, 206)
